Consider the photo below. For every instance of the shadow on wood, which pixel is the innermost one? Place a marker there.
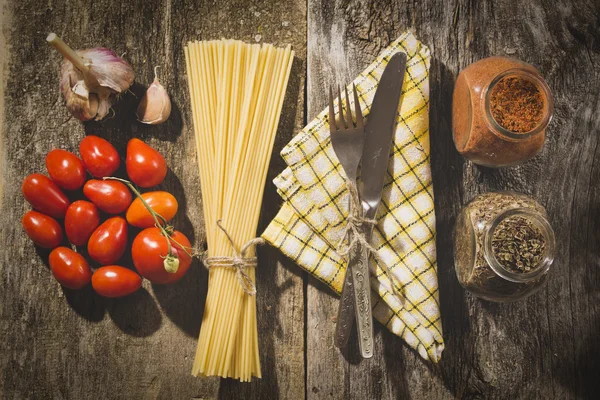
(394, 364)
(181, 221)
(86, 303)
(136, 314)
(123, 122)
(446, 165)
(183, 301)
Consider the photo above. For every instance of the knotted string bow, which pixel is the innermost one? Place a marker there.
(238, 261)
(354, 233)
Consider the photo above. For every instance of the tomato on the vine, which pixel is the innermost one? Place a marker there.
(99, 156)
(81, 220)
(65, 169)
(45, 196)
(163, 203)
(149, 250)
(145, 166)
(45, 231)
(69, 268)
(108, 242)
(115, 281)
(110, 196)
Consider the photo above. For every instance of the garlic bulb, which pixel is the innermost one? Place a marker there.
(155, 106)
(91, 79)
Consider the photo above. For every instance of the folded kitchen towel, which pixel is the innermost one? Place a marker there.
(313, 216)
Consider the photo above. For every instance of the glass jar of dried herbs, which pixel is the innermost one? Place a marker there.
(503, 246)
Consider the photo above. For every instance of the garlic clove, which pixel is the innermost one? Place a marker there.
(80, 103)
(80, 89)
(155, 106)
(83, 108)
(105, 102)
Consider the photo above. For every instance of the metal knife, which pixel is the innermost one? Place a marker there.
(379, 132)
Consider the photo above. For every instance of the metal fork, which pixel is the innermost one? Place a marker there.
(347, 141)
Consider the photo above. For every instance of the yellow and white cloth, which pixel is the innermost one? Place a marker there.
(313, 216)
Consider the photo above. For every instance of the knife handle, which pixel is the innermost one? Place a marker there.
(345, 316)
(359, 267)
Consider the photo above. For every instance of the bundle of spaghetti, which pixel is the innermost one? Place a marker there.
(237, 92)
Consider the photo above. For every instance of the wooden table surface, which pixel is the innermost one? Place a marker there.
(62, 344)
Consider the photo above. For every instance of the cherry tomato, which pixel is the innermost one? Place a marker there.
(45, 196)
(69, 268)
(163, 203)
(45, 231)
(145, 166)
(107, 243)
(115, 281)
(65, 169)
(99, 156)
(112, 197)
(81, 221)
(149, 249)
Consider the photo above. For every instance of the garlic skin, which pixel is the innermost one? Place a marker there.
(81, 104)
(155, 106)
(91, 80)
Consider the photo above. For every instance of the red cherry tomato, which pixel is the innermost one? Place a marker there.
(149, 249)
(81, 220)
(45, 196)
(99, 156)
(107, 243)
(163, 203)
(65, 169)
(145, 166)
(112, 197)
(115, 281)
(69, 268)
(45, 231)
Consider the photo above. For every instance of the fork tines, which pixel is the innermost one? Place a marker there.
(345, 122)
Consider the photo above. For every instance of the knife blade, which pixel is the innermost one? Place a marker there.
(379, 132)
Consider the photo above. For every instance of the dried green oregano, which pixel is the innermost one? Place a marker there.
(518, 244)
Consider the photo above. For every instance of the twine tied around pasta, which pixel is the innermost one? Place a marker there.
(239, 262)
(354, 233)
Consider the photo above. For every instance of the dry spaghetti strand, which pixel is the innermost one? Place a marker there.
(236, 91)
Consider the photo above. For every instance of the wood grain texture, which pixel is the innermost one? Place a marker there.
(63, 344)
(546, 346)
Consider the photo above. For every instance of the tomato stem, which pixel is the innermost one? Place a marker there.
(184, 248)
(171, 262)
(153, 213)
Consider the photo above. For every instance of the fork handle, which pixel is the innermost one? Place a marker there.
(359, 267)
(345, 316)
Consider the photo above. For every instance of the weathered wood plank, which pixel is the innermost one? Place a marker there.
(75, 345)
(539, 348)
(59, 344)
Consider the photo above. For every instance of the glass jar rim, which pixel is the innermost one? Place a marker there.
(547, 259)
(499, 130)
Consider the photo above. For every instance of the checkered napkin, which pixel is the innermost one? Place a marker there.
(313, 216)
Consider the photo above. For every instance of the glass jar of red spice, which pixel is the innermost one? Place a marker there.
(500, 110)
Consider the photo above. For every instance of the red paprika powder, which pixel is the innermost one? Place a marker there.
(500, 110)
